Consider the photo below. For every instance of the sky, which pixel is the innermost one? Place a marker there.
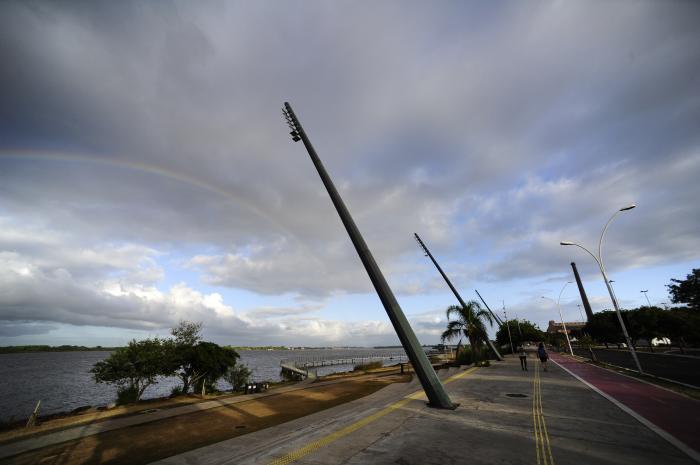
(147, 175)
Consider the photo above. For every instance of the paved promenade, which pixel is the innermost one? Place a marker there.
(506, 416)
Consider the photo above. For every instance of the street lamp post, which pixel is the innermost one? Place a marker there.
(599, 261)
(645, 295)
(561, 317)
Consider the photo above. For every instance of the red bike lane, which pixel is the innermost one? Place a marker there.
(674, 414)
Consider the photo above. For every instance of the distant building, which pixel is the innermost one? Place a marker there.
(555, 327)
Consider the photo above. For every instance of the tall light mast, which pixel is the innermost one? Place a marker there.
(437, 396)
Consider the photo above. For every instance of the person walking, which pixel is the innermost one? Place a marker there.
(542, 354)
(523, 358)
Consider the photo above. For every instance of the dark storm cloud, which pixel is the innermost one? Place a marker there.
(494, 132)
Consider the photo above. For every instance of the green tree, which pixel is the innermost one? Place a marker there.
(469, 321)
(209, 363)
(674, 324)
(644, 324)
(238, 376)
(521, 331)
(681, 325)
(557, 340)
(187, 333)
(604, 327)
(686, 291)
(181, 352)
(133, 368)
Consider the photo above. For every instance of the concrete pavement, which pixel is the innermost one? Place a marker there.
(506, 416)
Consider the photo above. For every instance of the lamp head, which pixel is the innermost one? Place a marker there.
(291, 122)
(566, 243)
(628, 207)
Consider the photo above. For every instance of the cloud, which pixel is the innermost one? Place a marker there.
(130, 131)
(278, 312)
(36, 296)
(659, 231)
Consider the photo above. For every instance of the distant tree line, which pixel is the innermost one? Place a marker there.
(46, 348)
(198, 364)
(681, 325)
(239, 348)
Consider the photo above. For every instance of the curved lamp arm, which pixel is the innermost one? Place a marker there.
(562, 291)
(587, 251)
(605, 229)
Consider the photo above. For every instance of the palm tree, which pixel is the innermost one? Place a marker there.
(470, 322)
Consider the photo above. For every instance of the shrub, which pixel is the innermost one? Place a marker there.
(238, 376)
(585, 341)
(127, 395)
(464, 356)
(368, 366)
(176, 391)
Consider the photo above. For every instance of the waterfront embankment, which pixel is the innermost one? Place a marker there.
(149, 431)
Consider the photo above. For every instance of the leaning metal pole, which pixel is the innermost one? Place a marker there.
(500, 322)
(582, 291)
(505, 315)
(437, 396)
(452, 288)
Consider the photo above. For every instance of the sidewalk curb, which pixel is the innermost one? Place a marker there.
(690, 452)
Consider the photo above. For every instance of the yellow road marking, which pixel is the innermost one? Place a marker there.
(543, 449)
(535, 425)
(313, 446)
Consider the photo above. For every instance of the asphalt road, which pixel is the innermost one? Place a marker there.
(684, 369)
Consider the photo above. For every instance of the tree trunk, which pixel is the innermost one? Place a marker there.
(475, 350)
(141, 391)
(185, 383)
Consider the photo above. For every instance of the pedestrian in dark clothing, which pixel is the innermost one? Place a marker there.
(542, 354)
(523, 358)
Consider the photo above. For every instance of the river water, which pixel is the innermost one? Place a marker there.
(62, 380)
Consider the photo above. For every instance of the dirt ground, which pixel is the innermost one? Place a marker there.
(152, 441)
(67, 420)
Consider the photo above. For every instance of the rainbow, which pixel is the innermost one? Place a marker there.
(25, 155)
